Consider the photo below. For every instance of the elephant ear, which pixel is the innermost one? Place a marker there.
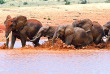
(19, 22)
(8, 17)
(68, 30)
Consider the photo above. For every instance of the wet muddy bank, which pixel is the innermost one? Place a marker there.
(58, 45)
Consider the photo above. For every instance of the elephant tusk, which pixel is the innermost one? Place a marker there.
(7, 37)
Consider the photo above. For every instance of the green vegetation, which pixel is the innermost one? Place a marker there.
(49, 18)
(25, 3)
(58, 0)
(83, 2)
(2, 1)
(67, 3)
(12, 5)
(107, 1)
(45, 0)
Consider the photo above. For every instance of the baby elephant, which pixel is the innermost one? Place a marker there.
(72, 35)
(46, 31)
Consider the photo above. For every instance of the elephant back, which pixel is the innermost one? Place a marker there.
(86, 24)
(97, 27)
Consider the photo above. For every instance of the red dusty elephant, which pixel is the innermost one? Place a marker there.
(21, 28)
(46, 31)
(72, 36)
(94, 29)
(85, 24)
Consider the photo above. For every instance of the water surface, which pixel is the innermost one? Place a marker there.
(27, 61)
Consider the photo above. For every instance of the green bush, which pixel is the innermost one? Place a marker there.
(107, 1)
(25, 3)
(12, 5)
(45, 0)
(2, 1)
(83, 2)
(49, 18)
(67, 3)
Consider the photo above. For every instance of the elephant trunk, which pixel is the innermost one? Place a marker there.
(35, 37)
(7, 39)
(54, 37)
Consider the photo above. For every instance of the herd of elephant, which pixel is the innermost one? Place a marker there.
(80, 33)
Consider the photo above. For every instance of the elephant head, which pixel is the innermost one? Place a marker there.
(13, 24)
(62, 32)
(42, 32)
(8, 24)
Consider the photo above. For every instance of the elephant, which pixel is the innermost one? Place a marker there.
(46, 31)
(97, 32)
(71, 36)
(21, 28)
(86, 24)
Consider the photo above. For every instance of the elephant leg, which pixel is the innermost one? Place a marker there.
(68, 39)
(36, 43)
(7, 42)
(98, 40)
(90, 36)
(13, 39)
(23, 41)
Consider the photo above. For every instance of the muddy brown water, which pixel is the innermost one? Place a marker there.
(54, 62)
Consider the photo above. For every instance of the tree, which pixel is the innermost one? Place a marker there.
(2, 1)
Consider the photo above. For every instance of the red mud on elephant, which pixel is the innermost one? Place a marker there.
(21, 28)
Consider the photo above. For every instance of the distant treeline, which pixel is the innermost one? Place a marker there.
(22, 3)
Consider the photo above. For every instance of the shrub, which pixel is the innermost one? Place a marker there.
(83, 2)
(65, 0)
(2, 1)
(12, 5)
(25, 3)
(45, 0)
(107, 1)
(49, 18)
(67, 3)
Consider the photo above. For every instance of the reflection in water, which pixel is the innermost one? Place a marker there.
(97, 62)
